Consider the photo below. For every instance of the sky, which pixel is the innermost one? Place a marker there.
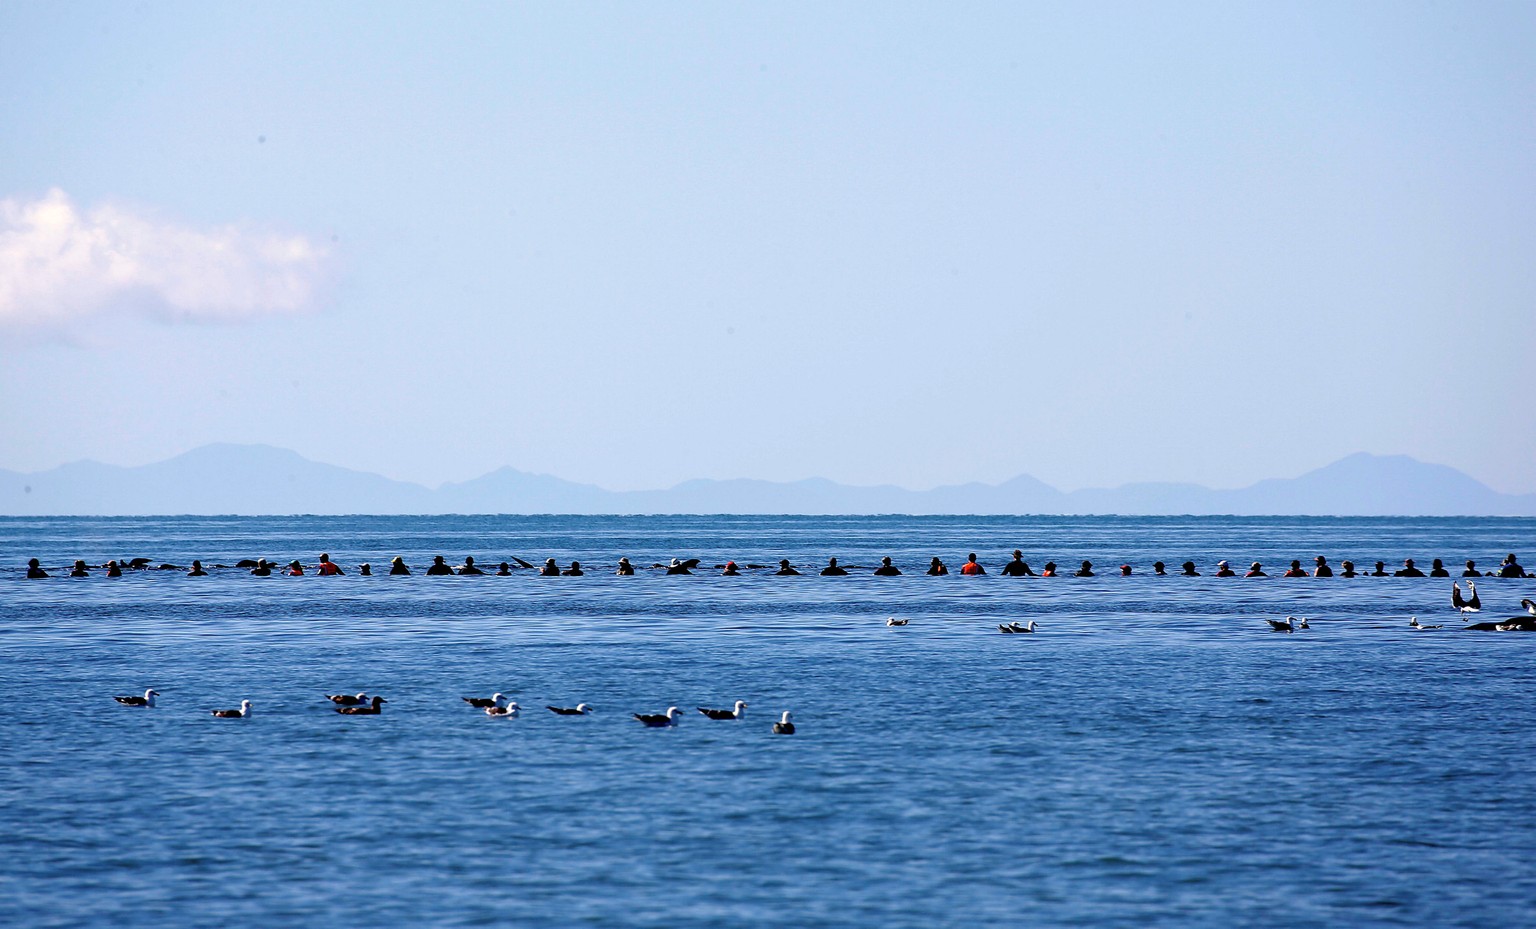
(634, 244)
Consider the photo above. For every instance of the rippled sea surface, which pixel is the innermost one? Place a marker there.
(1154, 755)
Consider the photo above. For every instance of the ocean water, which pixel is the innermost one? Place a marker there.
(1154, 755)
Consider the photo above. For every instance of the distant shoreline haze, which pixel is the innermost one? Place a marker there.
(260, 480)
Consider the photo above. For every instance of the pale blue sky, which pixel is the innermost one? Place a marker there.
(635, 244)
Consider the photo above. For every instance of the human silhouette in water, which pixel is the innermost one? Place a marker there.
(1321, 568)
(79, 569)
(731, 570)
(397, 566)
(1224, 570)
(1381, 570)
(1437, 569)
(327, 567)
(1085, 571)
(832, 570)
(1257, 570)
(573, 571)
(439, 567)
(1049, 570)
(1408, 570)
(972, 568)
(34, 570)
(1471, 570)
(550, 569)
(936, 568)
(785, 570)
(1188, 568)
(1511, 567)
(625, 568)
(469, 566)
(1159, 569)
(887, 569)
(197, 569)
(1018, 567)
(1294, 570)
(1349, 569)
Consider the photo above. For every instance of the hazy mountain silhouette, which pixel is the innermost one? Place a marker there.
(261, 480)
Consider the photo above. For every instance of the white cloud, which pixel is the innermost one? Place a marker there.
(59, 263)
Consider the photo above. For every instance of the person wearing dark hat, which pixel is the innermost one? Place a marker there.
(1381, 570)
(1322, 569)
(936, 567)
(1256, 570)
(1159, 569)
(1224, 570)
(550, 569)
(1408, 570)
(832, 570)
(625, 568)
(397, 566)
(785, 569)
(1188, 568)
(1085, 571)
(197, 569)
(887, 569)
(439, 567)
(1049, 570)
(1018, 567)
(114, 569)
(365, 569)
(1438, 569)
(1295, 569)
(1349, 569)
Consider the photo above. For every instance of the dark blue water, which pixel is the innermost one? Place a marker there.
(1154, 755)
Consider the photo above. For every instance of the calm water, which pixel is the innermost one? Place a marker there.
(1153, 756)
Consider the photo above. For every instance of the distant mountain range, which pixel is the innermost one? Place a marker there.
(262, 480)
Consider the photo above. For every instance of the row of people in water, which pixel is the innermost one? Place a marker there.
(1018, 567)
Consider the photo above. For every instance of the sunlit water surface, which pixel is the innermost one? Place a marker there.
(1154, 755)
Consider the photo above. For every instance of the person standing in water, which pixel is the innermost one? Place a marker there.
(887, 569)
(1018, 567)
(972, 568)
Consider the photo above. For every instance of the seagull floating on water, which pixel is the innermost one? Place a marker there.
(1289, 624)
(893, 621)
(580, 709)
(1012, 628)
(784, 726)
(725, 714)
(357, 699)
(485, 703)
(1473, 605)
(1414, 623)
(372, 708)
(509, 711)
(660, 720)
(243, 713)
(147, 700)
